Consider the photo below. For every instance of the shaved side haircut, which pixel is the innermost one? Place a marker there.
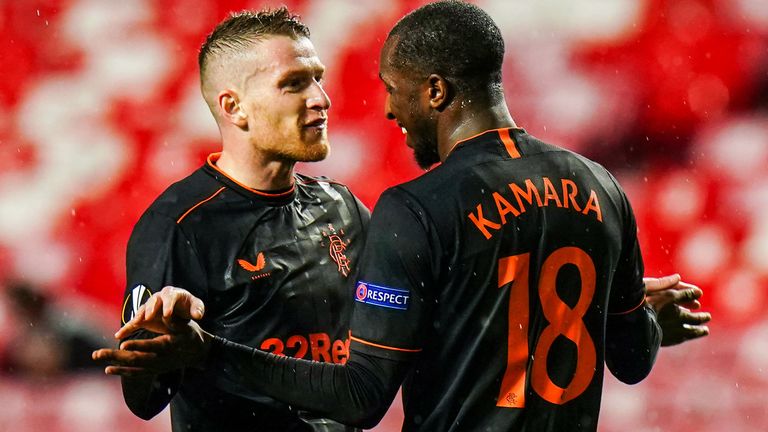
(238, 32)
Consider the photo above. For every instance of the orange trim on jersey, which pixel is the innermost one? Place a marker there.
(488, 131)
(365, 342)
(509, 143)
(213, 157)
(199, 204)
(629, 311)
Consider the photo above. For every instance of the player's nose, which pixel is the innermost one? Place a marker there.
(318, 99)
(388, 109)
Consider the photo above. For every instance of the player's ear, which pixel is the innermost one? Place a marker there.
(231, 110)
(439, 92)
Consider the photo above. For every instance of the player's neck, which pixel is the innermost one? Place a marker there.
(252, 169)
(472, 119)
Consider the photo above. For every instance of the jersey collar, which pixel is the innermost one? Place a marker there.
(210, 166)
(503, 134)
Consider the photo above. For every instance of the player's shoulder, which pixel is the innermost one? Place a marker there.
(534, 146)
(185, 195)
(452, 178)
(567, 160)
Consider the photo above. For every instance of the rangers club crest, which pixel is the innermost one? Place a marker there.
(337, 248)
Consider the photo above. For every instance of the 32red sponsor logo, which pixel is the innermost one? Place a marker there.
(317, 347)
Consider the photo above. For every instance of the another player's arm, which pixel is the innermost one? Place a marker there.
(633, 335)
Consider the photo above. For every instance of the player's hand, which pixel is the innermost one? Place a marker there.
(165, 312)
(673, 299)
(187, 346)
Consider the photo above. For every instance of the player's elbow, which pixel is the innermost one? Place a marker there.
(143, 412)
(144, 408)
(631, 369)
(369, 396)
(147, 397)
(364, 418)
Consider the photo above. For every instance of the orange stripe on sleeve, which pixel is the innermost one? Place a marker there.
(629, 311)
(199, 204)
(509, 143)
(365, 342)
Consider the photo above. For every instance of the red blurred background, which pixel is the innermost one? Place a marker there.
(100, 111)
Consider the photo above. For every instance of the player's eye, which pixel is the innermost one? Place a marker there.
(294, 84)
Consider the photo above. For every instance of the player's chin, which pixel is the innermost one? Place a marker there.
(314, 151)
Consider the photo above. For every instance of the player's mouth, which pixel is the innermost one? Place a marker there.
(318, 124)
(405, 133)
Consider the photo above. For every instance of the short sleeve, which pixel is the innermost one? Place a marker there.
(628, 289)
(393, 296)
(159, 254)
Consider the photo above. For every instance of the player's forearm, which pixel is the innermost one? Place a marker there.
(631, 344)
(356, 394)
(147, 396)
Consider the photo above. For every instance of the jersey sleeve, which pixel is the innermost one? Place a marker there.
(158, 254)
(393, 295)
(357, 393)
(633, 335)
(628, 289)
(362, 211)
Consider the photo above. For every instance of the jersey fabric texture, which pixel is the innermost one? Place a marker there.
(495, 287)
(509, 258)
(272, 269)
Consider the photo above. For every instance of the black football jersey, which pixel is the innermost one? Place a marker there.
(494, 274)
(272, 269)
